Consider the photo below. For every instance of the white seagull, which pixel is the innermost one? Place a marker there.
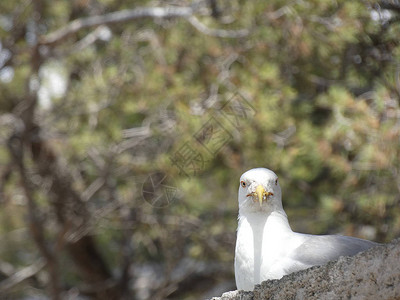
(266, 246)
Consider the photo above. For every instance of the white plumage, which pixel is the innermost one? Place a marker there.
(266, 246)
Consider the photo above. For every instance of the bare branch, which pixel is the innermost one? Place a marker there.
(222, 33)
(36, 226)
(133, 14)
(113, 18)
(91, 38)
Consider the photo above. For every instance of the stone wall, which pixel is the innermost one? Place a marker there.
(373, 274)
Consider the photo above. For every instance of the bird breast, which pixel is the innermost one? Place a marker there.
(259, 249)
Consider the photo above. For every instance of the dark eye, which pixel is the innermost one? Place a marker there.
(243, 184)
(276, 181)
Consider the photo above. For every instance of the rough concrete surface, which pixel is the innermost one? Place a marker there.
(373, 274)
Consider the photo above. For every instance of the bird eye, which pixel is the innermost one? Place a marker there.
(276, 181)
(243, 184)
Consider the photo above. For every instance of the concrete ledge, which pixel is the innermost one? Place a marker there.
(373, 274)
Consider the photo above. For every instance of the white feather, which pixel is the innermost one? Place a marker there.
(266, 246)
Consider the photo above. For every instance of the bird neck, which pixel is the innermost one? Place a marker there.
(258, 233)
(260, 220)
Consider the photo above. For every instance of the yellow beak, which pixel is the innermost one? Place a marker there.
(260, 192)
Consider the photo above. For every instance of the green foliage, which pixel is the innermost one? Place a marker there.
(321, 76)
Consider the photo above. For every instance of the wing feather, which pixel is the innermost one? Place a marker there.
(319, 249)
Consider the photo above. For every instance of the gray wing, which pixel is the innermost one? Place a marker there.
(319, 249)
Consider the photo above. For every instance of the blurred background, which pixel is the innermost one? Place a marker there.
(125, 126)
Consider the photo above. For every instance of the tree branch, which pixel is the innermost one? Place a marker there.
(27, 144)
(133, 14)
(36, 227)
(113, 18)
(222, 33)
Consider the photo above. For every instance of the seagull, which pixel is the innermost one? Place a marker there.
(266, 246)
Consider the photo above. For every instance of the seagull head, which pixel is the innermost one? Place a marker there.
(259, 190)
